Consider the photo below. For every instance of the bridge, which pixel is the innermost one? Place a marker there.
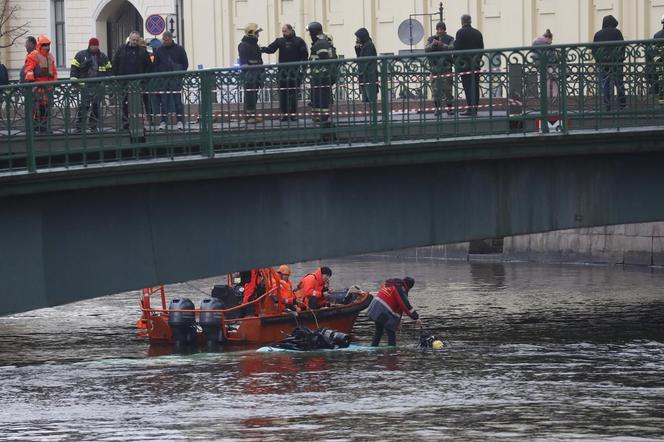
(89, 208)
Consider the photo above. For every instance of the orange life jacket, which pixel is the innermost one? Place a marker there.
(250, 287)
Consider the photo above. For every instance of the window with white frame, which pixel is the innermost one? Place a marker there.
(59, 32)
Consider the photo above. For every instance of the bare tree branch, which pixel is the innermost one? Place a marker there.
(9, 29)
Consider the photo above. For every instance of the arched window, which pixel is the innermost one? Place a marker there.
(58, 14)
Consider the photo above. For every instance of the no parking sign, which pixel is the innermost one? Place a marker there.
(155, 24)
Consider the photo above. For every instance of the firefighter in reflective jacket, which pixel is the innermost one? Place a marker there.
(388, 305)
(89, 63)
(40, 67)
(322, 75)
(311, 290)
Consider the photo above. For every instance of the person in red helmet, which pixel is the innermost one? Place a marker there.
(40, 67)
(387, 307)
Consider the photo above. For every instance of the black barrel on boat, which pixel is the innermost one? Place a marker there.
(210, 322)
(182, 324)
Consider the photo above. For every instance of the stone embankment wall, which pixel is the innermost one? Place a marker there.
(633, 244)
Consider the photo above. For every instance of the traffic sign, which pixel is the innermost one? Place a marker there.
(155, 24)
(171, 22)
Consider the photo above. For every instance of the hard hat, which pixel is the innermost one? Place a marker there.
(315, 28)
(252, 29)
(437, 345)
(284, 269)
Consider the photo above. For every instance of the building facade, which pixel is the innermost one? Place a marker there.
(212, 29)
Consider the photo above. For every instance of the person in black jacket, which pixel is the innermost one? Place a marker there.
(441, 68)
(250, 55)
(291, 49)
(609, 60)
(169, 57)
(364, 47)
(658, 63)
(89, 63)
(130, 59)
(468, 65)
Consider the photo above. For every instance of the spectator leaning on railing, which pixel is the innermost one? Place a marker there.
(169, 57)
(89, 63)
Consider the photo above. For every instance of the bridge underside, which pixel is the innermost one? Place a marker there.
(67, 245)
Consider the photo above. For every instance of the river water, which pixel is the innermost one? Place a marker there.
(535, 351)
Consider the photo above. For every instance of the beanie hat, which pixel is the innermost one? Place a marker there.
(94, 41)
(409, 282)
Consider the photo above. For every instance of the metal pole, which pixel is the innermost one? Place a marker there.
(410, 32)
(440, 11)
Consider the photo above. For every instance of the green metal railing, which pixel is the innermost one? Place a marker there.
(382, 100)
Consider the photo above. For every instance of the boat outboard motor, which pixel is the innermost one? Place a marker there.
(229, 297)
(182, 324)
(333, 338)
(210, 322)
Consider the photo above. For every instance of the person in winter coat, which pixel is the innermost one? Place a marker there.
(291, 49)
(387, 307)
(368, 70)
(89, 63)
(169, 57)
(548, 56)
(468, 65)
(40, 67)
(657, 61)
(252, 79)
(4, 75)
(130, 59)
(441, 68)
(609, 59)
(323, 76)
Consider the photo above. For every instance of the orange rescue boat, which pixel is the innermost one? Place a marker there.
(261, 321)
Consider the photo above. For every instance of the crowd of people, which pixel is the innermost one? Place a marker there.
(136, 57)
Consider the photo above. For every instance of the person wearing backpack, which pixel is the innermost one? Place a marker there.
(387, 307)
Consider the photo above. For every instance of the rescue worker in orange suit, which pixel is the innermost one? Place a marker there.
(388, 305)
(254, 287)
(286, 296)
(40, 67)
(313, 287)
